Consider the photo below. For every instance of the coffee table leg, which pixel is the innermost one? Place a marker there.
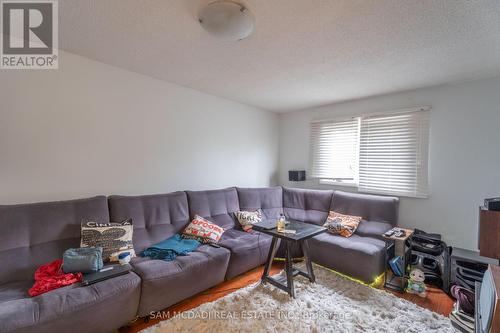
(305, 250)
(289, 269)
(270, 257)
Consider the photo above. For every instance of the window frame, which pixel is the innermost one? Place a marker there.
(355, 184)
(340, 181)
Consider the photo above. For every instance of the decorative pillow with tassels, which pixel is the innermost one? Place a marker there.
(203, 230)
(113, 237)
(247, 219)
(340, 224)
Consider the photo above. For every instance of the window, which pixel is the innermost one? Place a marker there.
(381, 153)
(334, 150)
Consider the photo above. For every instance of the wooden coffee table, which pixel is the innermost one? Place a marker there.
(304, 231)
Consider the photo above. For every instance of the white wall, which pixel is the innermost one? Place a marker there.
(464, 154)
(89, 128)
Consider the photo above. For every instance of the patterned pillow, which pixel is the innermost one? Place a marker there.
(247, 219)
(203, 230)
(114, 238)
(343, 225)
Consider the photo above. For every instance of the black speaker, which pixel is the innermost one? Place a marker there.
(468, 267)
(296, 175)
(492, 204)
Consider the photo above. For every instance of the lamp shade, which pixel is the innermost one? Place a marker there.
(227, 20)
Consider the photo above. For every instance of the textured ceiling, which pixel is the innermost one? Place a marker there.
(303, 53)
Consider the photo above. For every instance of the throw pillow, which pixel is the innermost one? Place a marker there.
(247, 219)
(114, 238)
(203, 230)
(340, 224)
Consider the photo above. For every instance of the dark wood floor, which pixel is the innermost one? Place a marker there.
(436, 300)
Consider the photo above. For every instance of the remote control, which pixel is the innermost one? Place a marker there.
(400, 233)
(389, 233)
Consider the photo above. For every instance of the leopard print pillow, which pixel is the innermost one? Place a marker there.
(340, 224)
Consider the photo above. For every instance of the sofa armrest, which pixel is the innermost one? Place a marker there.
(372, 229)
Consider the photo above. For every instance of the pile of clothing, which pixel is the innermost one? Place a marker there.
(170, 248)
(51, 276)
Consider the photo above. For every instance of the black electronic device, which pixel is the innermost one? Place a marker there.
(467, 267)
(400, 233)
(297, 175)
(396, 232)
(431, 255)
(107, 272)
(492, 204)
(389, 233)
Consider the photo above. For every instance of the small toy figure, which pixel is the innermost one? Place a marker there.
(416, 283)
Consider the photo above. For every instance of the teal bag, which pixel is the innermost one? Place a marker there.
(82, 259)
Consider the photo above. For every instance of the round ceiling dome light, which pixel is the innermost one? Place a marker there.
(227, 20)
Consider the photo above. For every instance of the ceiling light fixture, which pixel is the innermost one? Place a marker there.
(227, 20)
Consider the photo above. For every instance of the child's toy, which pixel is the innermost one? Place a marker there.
(416, 283)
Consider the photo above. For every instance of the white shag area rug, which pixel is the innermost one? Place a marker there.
(332, 304)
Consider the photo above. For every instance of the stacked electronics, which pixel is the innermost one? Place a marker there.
(467, 270)
(468, 267)
(431, 255)
(459, 272)
(453, 270)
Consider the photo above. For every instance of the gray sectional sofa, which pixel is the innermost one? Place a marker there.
(34, 234)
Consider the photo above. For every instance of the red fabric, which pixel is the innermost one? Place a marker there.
(51, 276)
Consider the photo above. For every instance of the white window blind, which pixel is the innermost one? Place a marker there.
(393, 153)
(334, 149)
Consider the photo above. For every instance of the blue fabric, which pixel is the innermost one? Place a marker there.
(171, 248)
(84, 259)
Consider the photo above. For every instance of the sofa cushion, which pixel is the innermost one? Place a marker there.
(18, 313)
(373, 229)
(165, 283)
(217, 205)
(155, 217)
(15, 290)
(268, 199)
(248, 250)
(359, 257)
(34, 234)
(370, 207)
(101, 307)
(310, 206)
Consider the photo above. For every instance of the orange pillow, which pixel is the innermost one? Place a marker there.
(340, 224)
